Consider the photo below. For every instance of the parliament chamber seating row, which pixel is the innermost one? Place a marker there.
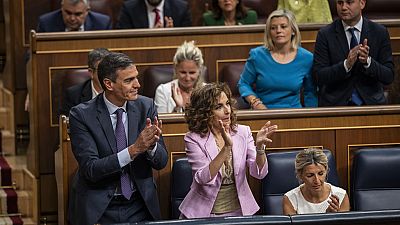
(375, 9)
(374, 187)
(374, 184)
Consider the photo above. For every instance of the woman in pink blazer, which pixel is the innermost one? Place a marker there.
(218, 149)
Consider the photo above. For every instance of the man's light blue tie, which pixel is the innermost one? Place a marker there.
(355, 97)
(120, 136)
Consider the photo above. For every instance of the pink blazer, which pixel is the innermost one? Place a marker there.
(204, 189)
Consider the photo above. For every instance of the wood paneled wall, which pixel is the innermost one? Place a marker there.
(52, 52)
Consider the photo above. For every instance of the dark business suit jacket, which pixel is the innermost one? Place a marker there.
(76, 94)
(335, 85)
(94, 146)
(134, 14)
(53, 22)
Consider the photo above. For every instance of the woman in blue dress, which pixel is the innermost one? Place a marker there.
(278, 72)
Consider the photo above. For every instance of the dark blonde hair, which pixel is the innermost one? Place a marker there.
(203, 101)
(188, 51)
(310, 156)
(296, 38)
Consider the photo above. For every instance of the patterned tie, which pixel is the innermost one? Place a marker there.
(158, 19)
(120, 136)
(355, 97)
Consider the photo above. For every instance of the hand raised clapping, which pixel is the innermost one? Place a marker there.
(263, 136)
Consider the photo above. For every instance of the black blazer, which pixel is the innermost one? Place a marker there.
(53, 22)
(75, 95)
(335, 85)
(134, 14)
(93, 144)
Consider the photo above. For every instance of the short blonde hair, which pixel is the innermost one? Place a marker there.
(189, 51)
(310, 156)
(296, 38)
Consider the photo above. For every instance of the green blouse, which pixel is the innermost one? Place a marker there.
(308, 11)
(209, 20)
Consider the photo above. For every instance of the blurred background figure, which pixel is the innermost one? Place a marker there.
(314, 195)
(308, 11)
(87, 90)
(280, 69)
(188, 66)
(219, 151)
(154, 14)
(353, 59)
(229, 12)
(74, 15)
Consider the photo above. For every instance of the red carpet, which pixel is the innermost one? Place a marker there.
(8, 196)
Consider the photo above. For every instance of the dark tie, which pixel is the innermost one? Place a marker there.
(120, 136)
(157, 20)
(353, 40)
(355, 97)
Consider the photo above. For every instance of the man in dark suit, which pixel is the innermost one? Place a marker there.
(116, 145)
(87, 90)
(74, 15)
(154, 14)
(348, 75)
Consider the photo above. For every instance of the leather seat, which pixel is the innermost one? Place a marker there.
(230, 74)
(161, 74)
(375, 183)
(281, 178)
(262, 7)
(111, 8)
(181, 179)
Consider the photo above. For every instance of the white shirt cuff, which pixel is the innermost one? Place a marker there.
(345, 66)
(151, 152)
(124, 158)
(366, 66)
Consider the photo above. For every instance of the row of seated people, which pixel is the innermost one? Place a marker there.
(275, 74)
(74, 15)
(209, 117)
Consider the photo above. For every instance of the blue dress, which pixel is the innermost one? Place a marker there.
(279, 85)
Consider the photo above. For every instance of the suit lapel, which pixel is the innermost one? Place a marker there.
(237, 151)
(86, 92)
(341, 38)
(133, 119)
(103, 116)
(167, 10)
(211, 149)
(364, 31)
(210, 146)
(143, 20)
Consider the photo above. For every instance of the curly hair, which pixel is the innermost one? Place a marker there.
(199, 112)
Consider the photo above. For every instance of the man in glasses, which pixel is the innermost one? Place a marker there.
(74, 15)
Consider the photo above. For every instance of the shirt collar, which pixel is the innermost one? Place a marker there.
(358, 25)
(81, 28)
(160, 6)
(111, 107)
(94, 92)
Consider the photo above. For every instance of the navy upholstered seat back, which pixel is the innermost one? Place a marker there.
(375, 179)
(181, 179)
(281, 178)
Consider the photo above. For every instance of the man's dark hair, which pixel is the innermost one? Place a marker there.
(96, 55)
(109, 66)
